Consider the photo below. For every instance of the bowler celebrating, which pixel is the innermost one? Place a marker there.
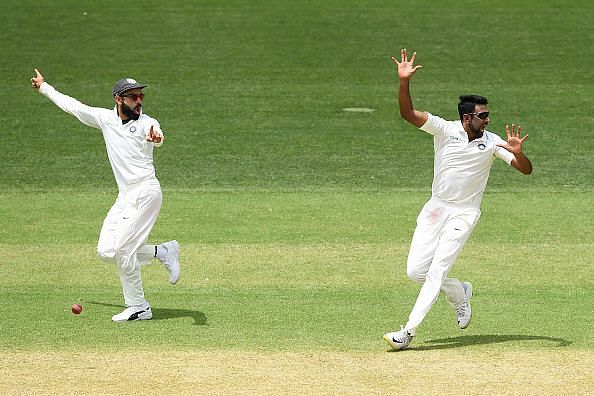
(130, 136)
(464, 153)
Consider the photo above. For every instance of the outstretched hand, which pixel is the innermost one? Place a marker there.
(514, 141)
(406, 68)
(37, 80)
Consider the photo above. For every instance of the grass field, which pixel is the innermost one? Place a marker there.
(294, 215)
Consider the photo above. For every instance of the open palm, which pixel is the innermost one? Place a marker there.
(406, 67)
(514, 140)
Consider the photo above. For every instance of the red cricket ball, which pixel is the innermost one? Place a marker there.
(76, 309)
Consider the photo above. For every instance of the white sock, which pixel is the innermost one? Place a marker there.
(161, 251)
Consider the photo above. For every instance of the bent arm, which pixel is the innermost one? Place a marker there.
(406, 69)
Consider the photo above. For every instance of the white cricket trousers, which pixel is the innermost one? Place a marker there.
(125, 232)
(442, 230)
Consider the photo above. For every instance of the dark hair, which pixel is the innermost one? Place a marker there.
(468, 102)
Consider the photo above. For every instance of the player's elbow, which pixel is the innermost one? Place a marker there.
(527, 169)
(523, 166)
(417, 118)
(408, 115)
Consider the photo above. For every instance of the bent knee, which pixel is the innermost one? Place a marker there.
(125, 260)
(416, 275)
(106, 255)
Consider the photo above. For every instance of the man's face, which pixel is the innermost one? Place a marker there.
(478, 121)
(130, 103)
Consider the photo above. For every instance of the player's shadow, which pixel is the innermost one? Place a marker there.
(485, 339)
(166, 313)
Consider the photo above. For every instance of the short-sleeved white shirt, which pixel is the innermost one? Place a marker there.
(129, 153)
(461, 168)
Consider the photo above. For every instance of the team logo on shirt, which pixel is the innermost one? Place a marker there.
(132, 129)
(482, 146)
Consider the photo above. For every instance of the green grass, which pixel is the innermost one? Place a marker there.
(294, 272)
(294, 216)
(251, 95)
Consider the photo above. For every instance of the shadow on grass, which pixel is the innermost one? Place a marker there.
(469, 340)
(166, 313)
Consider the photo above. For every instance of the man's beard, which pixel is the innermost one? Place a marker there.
(477, 132)
(126, 110)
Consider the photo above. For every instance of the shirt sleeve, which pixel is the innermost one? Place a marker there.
(435, 125)
(502, 153)
(86, 114)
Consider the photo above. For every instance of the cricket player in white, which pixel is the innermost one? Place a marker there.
(130, 136)
(464, 153)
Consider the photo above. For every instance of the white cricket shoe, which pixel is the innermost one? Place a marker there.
(464, 312)
(398, 339)
(171, 261)
(133, 313)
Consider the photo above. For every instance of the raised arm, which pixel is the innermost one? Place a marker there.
(86, 114)
(406, 69)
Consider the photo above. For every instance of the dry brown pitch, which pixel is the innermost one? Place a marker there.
(258, 373)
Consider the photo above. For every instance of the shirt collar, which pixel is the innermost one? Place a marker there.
(481, 139)
(116, 115)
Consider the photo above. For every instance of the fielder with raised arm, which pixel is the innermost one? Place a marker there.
(129, 136)
(464, 153)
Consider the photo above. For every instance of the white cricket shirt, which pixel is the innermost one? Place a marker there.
(130, 154)
(461, 168)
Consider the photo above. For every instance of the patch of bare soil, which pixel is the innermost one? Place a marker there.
(234, 372)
